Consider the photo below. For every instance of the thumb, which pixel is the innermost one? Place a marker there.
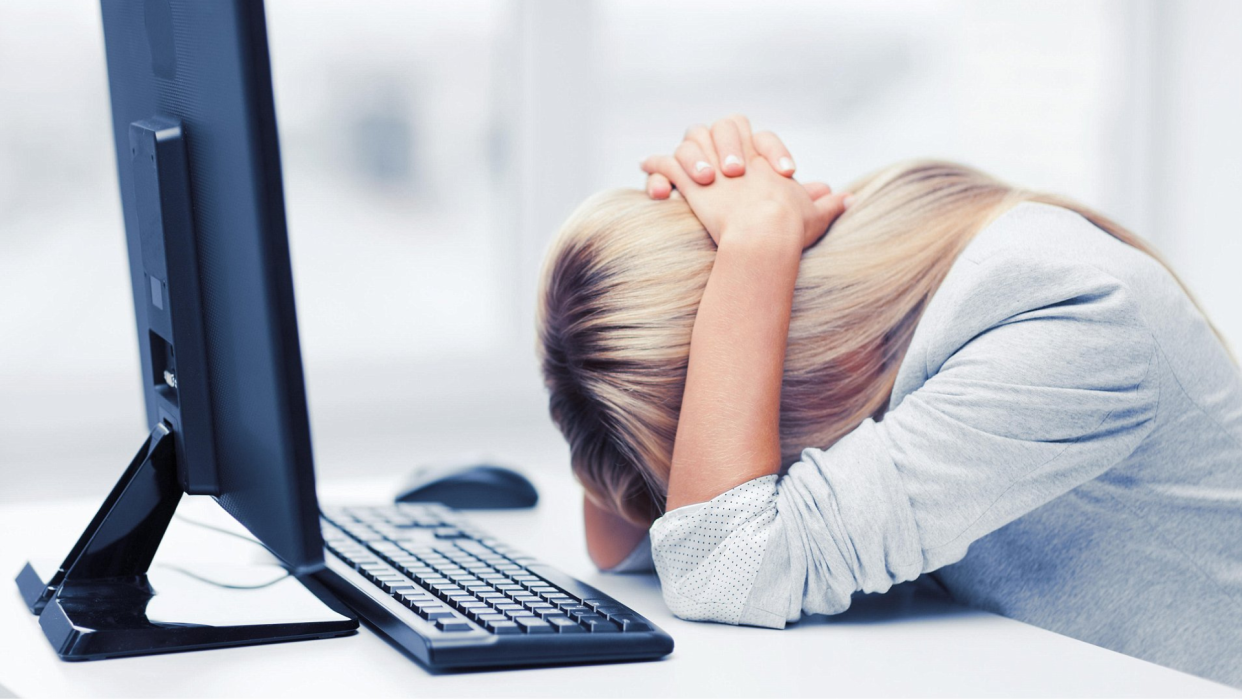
(831, 206)
(817, 189)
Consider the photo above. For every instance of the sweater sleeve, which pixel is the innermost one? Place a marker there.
(1025, 409)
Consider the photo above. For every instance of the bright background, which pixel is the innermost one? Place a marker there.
(432, 149)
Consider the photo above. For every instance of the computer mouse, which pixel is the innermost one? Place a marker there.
(470, 486)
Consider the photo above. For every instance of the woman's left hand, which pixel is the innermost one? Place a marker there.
(756, 196)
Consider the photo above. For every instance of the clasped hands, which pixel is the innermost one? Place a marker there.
(740, 185)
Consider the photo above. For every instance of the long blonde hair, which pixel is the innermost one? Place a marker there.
(623, 282)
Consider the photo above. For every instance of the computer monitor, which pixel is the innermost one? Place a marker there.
(198, 164)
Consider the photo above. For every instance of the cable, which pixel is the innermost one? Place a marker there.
(222, 530)
(217, 583)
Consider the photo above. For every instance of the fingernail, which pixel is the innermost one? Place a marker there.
(701, 166)
(787, 165)
(848, 201)
(732, 160)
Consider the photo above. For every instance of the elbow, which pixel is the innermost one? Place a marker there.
(689, 609)
(721, 611)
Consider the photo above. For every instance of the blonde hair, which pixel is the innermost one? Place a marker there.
(623, 282)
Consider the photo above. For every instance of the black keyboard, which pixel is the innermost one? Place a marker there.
(452, 596)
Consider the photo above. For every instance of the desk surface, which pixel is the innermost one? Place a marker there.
(907, 643)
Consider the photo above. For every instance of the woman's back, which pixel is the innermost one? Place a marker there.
(1146, 558)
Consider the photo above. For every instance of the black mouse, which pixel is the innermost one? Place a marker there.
(470, 486)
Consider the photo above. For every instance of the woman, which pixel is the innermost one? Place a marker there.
(958, 366)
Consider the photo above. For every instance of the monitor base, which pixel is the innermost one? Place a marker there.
(98, 604)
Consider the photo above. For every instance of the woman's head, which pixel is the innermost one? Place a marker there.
(624, 279)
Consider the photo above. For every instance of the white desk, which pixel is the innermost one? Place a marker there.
(897, 645)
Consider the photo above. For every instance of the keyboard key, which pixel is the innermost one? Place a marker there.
(630, 623)
(540, 608)
(503, 627)
(431, 613)
(609, 609)
(533, 625)
(480, 614)
(564, 624)
(473, 547)
(452, 625)
(577, 611)
(485, 617)
(599, 625)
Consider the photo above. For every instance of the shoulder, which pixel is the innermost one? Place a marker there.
(1035, 262)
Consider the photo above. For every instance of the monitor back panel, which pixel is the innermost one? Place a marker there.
(206, 64)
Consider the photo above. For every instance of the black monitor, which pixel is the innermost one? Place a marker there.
(198, 164)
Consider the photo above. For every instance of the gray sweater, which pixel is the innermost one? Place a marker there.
(1063, 446)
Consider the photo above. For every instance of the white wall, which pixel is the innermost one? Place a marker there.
(432, 149)
(1197, 142)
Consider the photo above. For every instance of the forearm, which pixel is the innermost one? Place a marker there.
(610, 537)
(729, 427)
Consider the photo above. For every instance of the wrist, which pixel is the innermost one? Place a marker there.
(767, 249)
(774, 229)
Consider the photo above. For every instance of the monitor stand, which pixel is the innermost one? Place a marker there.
(97, 604)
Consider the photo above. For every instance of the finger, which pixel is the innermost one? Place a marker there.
(668, 166)
(769, 146)
(702, 136)
(658, 186)
(744, 132)
(829, 207)
(817, 189)
(694, 162)
(729, 151)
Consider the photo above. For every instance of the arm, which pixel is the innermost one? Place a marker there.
(729, 429)
(761, 220)
(610, 537)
